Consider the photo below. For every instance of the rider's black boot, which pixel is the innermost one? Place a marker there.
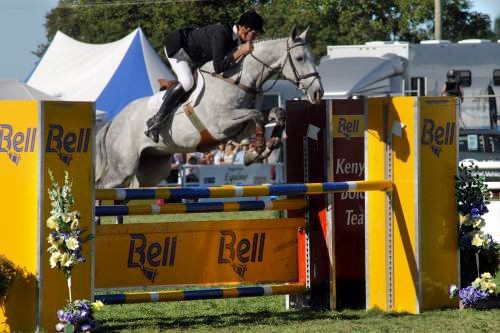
(170, 100)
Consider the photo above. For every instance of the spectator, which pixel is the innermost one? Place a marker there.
(229, 153)
(191, 173)
(453, 86)
(197, 155)
(208, 158)
(219, 154)
(239, 158)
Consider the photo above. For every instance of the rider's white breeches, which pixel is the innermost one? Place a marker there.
(182, 69)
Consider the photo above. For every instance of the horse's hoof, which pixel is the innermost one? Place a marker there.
(273, 143)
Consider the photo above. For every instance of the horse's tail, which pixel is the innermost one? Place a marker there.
(101, 160)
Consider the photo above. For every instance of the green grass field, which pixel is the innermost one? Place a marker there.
(268, 314)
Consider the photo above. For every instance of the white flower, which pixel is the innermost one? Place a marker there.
(66, 260)
(67, 218)
(477, 239)
(54, 259)
(72, 243)
(52, 223)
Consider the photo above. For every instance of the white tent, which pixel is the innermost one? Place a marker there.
(13, 90)
(111, 75)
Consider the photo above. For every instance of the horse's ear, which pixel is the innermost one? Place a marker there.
(304, 34)
(293, 34)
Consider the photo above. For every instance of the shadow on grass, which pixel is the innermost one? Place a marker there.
(237, 319)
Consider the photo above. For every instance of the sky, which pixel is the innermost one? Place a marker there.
(22, 30)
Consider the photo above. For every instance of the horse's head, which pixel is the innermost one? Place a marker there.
(298, 67)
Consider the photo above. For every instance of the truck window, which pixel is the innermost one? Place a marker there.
(418, 86)
(496, 77)
(465, 77)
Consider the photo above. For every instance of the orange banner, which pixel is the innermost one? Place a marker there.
(202, 253)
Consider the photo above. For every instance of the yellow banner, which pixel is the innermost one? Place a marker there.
(67, 144)
(19, 137)
(348, 126)
(438, 154)
(202, 253)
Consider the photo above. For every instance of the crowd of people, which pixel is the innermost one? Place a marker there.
(230, 152)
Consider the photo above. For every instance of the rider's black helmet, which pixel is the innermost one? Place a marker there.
(252, 20)
(450, 74)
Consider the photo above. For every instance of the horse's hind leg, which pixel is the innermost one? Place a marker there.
(152, 170)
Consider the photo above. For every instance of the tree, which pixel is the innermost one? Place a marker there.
(331, 22)
(461, 23)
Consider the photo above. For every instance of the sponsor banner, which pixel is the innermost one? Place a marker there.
(203, 253)
(438, 163)
(348, 125)
(18, 208)
(66, 146)
(234, 174)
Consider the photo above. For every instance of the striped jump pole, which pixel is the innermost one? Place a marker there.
(199, 207)
(199, 294)
(242, 191)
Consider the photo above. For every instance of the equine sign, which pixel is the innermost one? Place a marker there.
(204, 253)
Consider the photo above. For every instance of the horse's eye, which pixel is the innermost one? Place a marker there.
(300, 58)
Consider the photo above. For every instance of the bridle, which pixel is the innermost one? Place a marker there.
(297, 77)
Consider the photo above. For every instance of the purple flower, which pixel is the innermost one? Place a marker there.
(61, 315)
(471, 295)
(474, 212)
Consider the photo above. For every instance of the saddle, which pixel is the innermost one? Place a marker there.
(193, 95)
(166, 84)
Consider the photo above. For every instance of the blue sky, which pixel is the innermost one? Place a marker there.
(21, 23)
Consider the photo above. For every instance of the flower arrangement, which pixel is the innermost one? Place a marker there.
(65, 250)
(78, 316)
(480, 289)
(478, 250)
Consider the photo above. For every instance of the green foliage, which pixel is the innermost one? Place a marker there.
(471, 190)
(7, 275)
(332, 22)
(459, 22)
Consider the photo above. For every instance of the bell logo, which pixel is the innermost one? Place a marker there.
(14, 143)
(238, 253)
(64, 144)
(437, 136)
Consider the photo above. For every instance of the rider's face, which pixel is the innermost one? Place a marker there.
(246, 34)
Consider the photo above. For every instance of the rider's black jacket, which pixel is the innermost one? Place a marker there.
(212, 42)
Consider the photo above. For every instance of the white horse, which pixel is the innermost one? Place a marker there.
(125, 157)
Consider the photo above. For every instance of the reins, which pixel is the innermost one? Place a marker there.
(259, 90)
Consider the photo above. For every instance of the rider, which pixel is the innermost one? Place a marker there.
(190, 48)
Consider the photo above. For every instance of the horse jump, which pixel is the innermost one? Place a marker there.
(410, 230)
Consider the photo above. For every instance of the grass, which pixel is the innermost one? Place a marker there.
(268, 314)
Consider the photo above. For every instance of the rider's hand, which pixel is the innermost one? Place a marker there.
(247, 48)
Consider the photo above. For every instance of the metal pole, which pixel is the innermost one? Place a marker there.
(437, 19)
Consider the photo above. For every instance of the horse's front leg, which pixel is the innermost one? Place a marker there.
(261, 149)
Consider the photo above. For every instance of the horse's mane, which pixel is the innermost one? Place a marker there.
(270, 39)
